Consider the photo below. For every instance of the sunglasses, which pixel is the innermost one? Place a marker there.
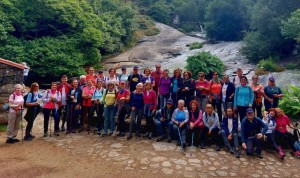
(201, 75)
(215, 74)
(36, 86)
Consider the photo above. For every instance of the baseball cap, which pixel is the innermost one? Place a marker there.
(123, 68)
(122, 82)
(169, 101)
(272, 79)
(250, 110)
(100, 71)
(135, 67)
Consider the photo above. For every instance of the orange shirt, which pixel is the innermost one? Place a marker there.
(215, 89)
(94, 77)
(258, 87)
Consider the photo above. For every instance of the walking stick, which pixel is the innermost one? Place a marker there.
(192, 146)
(71, 117)
(51, 121)
(21, 113)
(181, 141)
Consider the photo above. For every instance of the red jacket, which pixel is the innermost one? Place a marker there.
(68, 87)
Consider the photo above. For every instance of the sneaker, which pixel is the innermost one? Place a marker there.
(62, 129)
(45, 134)
(297, 154)
(281, 155)
(260, 156)
(202, 146)
(27, 138)
(218, 148)
(150, 136)
(10, 141)
(146, 135)
(237, 153)
(169, 140)
(56, 133)
(16, 140)
(32, 136)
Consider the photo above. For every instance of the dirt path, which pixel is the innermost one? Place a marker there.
(83, 155)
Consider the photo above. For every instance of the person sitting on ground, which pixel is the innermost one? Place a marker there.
(180, 118)
(163, 121)
(281, 133)
(211, 122)
(137, 105)
(252, 132)
(230, 132)
(269, 120)
(149, 109)
(196, 125)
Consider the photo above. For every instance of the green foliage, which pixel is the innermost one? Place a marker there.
(3, 127)
(225, 20)
(206, 63)
(270, 65)
(291, 27)
(290, 102)
(292, 66)
(196, 45)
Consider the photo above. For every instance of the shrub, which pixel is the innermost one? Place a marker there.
(290, 103)
(206, 63)
(270, 65)
(292, 66)
(196, 45)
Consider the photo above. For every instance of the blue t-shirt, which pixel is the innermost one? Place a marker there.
(35, 97)
(180, 116)
(175, 85)
(98, 94)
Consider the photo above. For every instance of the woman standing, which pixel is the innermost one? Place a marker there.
(270, 121)
(87, 104)
(147, 77)
(258, 94)
(137, 106)
(14, 114)
(98, 106)
(176, 82)
(33, 108)
(202, 90)
(109, 100)
(196, 125)
(188, 88)
(112, 78)
(180, 118)
(74, 104)
(149, 109)
(215, 94)
(164, 88)
(243, 98)
(122, 101)
(51, 98)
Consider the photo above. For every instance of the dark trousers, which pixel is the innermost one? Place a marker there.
(31, 119)
(285, 138)
(137, 115)
(99, 108)
(226, 141)
(257, 109)
(72, 117)
(182, 135)
(149, 121)
(271, 138)
(217, 105)
(46, 119)
(251, 142)
(121, 116)
(161, 126)
(242, 112)
(87, 115)
(175, 97)
(214, 135)
(62, 112)
(197, 135)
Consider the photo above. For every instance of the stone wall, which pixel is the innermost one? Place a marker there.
(9, 76)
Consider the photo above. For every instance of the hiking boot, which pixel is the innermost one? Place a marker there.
(160, 138)
(45, 134)
(259, 156)
(62, 129)
(56, 133)
(16, 140)
(218, 148)
(10, 141)
(237, 153)
(281, 154)
(104, 135)
(129, 137)
(169, 140)
(202, 146)
(146, 135)
(32, 136)
(27, 138)
(231, 150)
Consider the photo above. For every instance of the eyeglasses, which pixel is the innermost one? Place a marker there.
(201, 75)
(91, 70)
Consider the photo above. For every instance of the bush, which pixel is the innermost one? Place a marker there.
(196, 45)
(270, 65)
(206, 63)
(3, 127)
(290, 103)
(292, 66)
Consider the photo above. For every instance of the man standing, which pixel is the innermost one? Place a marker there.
(272, 94)
(134, 79)
(157, 74)
(253, 130)
(237, 79)
(64, 89)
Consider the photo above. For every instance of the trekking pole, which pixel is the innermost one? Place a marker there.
(192, 146)
(181, 141)
(71, 117)
(51, 122)
(22, 134)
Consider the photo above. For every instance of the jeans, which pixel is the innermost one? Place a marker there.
(109, 119)
(182, 135)
(46, 119)
(250, 142)
(202, 101)
(163, 99)
(136, 114)
(121, 116)
(226, 141)
(161, 126)
(271, 138)
(257, 109)
(218, 106)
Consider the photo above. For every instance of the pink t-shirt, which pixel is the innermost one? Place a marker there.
(204, 84)
(281, 123)
(88, 91)
(150, 98)
(15, 99)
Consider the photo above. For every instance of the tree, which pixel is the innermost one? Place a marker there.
(225, 20)
(291, 27)
(206, 63)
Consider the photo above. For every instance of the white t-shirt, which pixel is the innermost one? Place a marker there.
(236, 81)
(224, 88)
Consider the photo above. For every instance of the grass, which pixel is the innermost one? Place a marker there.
(268, 65)
(195, 45)
(3, 127)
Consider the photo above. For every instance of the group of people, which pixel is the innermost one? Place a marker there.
(195, 112)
